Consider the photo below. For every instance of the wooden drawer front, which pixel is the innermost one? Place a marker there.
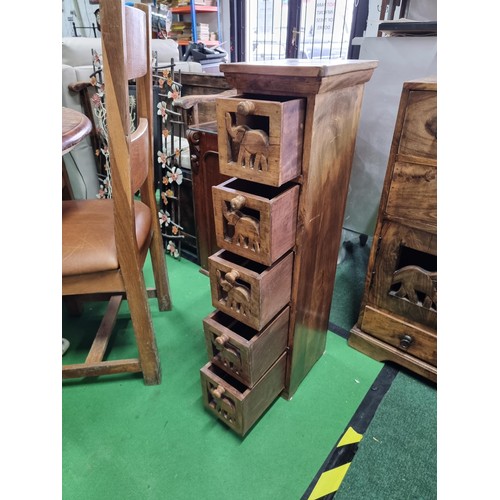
(241, 351)
(419, 133)
(248, 291)
(399, 333)
(259, 140)
(404, 274)
(236, 405)
(413, 193)
(254, 220)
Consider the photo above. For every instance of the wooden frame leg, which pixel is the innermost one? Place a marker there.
(144, 333)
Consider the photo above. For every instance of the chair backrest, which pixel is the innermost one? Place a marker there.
(126, 44)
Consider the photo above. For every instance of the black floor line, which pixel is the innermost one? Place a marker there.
(338, 330)
(359, 421)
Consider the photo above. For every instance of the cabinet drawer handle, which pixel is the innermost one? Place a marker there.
(238, 202)
(232, 276)
(245, 108)
(217, 393)
(405, 342)
(222, 339)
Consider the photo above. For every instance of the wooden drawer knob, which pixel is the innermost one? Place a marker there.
(222, 339)
(232, 276)
(238, 202)
(245, 108)
(405, 342)
(218, 392)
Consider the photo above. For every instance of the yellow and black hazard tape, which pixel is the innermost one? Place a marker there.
(329, 478)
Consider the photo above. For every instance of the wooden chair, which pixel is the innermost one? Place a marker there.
(105, 242)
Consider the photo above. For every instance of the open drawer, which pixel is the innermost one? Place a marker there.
(261, 140)
(243, 352)
(234, 403)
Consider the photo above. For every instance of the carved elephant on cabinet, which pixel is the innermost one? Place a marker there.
(413, 279)
(221, 404)
(253, 145)
(238, 296)
(246, 228)
(229, 355)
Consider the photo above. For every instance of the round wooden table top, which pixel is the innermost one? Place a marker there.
(75, 126)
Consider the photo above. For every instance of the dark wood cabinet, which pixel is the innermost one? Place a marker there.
(398, 316)
(205, 174)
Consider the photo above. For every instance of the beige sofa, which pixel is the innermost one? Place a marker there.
(77, 66)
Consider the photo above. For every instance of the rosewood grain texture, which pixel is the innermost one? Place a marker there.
(412, 196)
(419, 133)
(333, 120)
(297, 77)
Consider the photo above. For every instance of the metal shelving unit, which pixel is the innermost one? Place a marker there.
(192, 11)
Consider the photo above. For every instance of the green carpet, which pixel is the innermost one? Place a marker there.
(397, 457)
(124, 440)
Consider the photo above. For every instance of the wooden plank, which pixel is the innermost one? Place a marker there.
(413, 193)
(102, 368)
(105, 330)
(419, 134)
(296, 68)
(328, 150)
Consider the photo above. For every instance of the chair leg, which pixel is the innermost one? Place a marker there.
(144, 332)
(160, 273)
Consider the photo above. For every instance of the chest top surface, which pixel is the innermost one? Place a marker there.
(297, 76)
(299, 67)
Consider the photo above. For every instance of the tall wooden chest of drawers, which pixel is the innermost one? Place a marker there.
(398, 316)
(286, 140)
